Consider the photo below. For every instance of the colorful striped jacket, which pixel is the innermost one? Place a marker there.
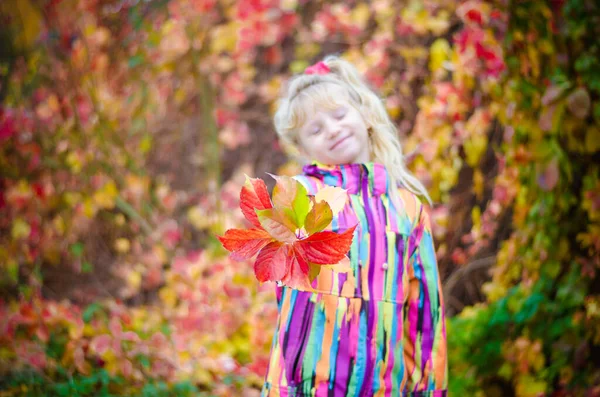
(380, 329)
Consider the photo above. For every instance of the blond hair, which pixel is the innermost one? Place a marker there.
(309, 89)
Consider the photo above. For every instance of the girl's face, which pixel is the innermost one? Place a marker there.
(336, 136)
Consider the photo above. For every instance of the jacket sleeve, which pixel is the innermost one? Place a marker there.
(424, 318)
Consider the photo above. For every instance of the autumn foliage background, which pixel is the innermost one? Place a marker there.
(125, 130)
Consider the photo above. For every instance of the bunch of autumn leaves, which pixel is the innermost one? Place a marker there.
(289, 233)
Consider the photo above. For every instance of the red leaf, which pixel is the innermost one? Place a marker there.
(244, 244)
(326, 248)
(100, 343)
(254, 195)
(271, 263)
(297, 277)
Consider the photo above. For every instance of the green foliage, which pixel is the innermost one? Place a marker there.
(98, 383)
(536, 324)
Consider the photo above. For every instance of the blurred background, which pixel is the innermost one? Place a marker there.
(126, 127)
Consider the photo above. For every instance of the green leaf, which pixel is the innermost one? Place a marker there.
(62, 390)
(135, 60)
(89, 311)
(87, 267)
(77, 249)
(13, 270)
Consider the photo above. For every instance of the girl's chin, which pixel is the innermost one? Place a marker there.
(351, 156)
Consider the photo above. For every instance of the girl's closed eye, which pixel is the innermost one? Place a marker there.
(340, 112)
(314, 129)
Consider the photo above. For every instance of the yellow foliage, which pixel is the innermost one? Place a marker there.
(305, 51)
(224, 37)
(29, 20)
(438, 54)
(20, 229)
(476, 218)
(475, 147)
(122, 245)
(494, 291)
(168, 296)
(298, 66)
(592, 139)
(89, 208)
(529, 386)
(134, 279)
(73, 160)
(360, 15)
(105, 197)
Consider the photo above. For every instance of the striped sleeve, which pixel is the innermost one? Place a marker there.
(424, 325)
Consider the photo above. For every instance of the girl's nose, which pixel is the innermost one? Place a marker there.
(333, 129)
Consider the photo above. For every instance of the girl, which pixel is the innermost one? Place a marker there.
(378, 330)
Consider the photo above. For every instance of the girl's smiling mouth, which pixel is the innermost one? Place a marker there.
(339, 142)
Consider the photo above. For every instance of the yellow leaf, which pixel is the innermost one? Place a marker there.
(528, 386)
(474, 148)
(20, 229)
(360, 15)
(75, 330)
(224, 38)
(494, 291)
(74, 162)
(59, 225)
(439, 53)
(122, 245)
(134, 280)
(306, 50)
(89, 208)
(334, 196)
(476, 218)
(168, 296)
(439, 24)
(146, 143)
(298, 66)
(105, 197)
(289, 5)
(203, 376)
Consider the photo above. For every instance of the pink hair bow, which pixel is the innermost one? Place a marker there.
(318, 68)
